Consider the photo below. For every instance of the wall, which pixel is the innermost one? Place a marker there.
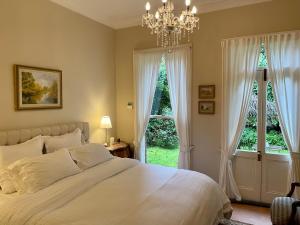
(41, 33)
(278, 15)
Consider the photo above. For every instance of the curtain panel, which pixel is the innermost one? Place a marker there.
(240, 60)
(178, 63)
(146, 71)
(283, 54)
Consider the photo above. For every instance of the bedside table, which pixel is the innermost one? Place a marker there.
(121, 150)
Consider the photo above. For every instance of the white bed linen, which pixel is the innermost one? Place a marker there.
(121, 192)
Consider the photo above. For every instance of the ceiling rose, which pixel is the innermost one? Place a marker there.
(168, 27)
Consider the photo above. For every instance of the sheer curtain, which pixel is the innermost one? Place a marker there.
(178, 64)
(283, 52)
(240, 61)
(146, 70)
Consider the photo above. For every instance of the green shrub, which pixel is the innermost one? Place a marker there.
(249, 139)
(275, 138)
(162, 133)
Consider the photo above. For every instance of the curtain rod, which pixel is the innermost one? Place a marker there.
(162, 49)
(262, 35)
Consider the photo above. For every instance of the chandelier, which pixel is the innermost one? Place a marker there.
(168, 27)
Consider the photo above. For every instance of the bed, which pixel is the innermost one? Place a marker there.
(116, 192)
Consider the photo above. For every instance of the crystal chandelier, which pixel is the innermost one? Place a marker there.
(168, 27)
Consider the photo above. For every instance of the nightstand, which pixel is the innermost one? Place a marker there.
(121, 150)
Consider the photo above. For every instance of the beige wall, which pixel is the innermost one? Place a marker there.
(278, 15)
(41, 33)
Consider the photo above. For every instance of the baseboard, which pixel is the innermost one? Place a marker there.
(247, 202)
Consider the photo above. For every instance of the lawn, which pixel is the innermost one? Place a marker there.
(162, 156)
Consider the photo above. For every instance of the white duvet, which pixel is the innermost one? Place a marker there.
(121, 192)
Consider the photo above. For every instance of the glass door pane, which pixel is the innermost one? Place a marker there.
(248, 140)
(275, 143)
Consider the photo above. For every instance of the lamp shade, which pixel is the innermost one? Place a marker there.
(105, 122)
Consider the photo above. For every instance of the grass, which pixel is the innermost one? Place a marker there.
(162, 156)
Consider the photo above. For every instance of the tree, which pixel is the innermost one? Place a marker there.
(32, 92)
(161, 102)
(53, 93)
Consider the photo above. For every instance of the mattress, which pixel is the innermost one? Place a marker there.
(121, 192)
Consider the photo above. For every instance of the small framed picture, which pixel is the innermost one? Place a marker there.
(207, 91)
(206, 107)
(37, 88)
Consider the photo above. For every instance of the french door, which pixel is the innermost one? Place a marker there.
(261, 163)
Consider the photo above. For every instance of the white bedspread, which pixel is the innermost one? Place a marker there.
(121, 192)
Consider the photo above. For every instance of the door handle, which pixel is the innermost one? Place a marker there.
(259, 156)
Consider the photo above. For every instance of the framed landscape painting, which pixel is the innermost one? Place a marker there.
(37, 88)
(206, 107)
(207, 91)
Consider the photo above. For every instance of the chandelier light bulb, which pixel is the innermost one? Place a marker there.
(148, 6)
(187, 2)
(181, 17)
(164, 1)
(157, 15)
(194, 10)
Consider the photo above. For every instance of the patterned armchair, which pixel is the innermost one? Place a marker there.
(286, 210)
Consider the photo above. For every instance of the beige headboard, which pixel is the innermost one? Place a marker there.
(12, 137)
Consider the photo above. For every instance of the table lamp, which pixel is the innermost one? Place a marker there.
(105, 123)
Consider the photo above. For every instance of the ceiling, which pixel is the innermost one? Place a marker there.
(126, 13)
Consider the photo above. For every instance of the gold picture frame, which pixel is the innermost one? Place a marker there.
(37, 88)
(207, 107)
(207, 91)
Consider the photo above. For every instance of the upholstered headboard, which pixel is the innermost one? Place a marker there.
(13, 137)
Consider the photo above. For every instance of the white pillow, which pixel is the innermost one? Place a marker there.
(54, 143)
(30, 148)
(90, 155)
(33, 174)
(6, 182)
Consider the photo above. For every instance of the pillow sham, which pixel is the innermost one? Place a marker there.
(90, 155)
(33, 174)
(6, 182)
(12, 153)
(54, 143)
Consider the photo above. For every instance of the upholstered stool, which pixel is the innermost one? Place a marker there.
(281, 211)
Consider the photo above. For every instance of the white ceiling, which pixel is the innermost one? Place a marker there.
(126, 13)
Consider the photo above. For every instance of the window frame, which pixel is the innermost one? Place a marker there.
(162, 117)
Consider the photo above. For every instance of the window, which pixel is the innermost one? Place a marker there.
(262, 119)
(161, 136)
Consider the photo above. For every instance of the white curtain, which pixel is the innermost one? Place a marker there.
(178, 64)
(146, 71)
(240, 61)
(283, 52)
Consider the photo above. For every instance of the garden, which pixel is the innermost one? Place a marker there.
(161, 136)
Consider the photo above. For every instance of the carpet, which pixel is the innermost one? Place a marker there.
(232, 222)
